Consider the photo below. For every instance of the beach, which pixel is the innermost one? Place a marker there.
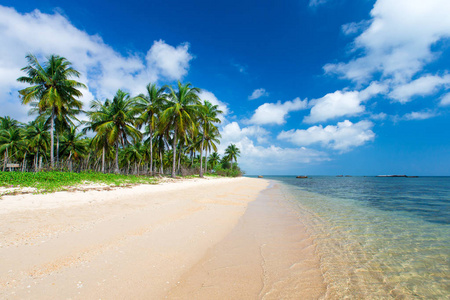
(202, 239)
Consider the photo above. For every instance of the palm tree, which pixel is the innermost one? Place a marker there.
(74, 145)
(11, 141)
(150, 106)
(38, 139)
(209, 116)
(211, 142)
(232, 152)
(214, 159)
(116, 122)
(51, 88)
(7, 122)
(179, 116)
(98, 111)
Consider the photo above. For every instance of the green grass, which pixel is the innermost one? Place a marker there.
(56, 181)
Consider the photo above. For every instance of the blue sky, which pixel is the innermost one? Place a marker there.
(309, 87)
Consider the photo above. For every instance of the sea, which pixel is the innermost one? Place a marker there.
(376, 237)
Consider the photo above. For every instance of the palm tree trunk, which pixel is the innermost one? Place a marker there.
(103, 159)
(5, 161)
(201, 156)
(24, 161)
(151, 152)
(37, 160)
(174, 149)
(70, 161)
(57, 149)
(206, 160)
(116, 170)
(52, 142)
(161, 167)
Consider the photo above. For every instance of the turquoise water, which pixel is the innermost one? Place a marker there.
(377, 237)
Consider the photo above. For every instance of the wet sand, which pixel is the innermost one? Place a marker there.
(268, 255)
(201, 239)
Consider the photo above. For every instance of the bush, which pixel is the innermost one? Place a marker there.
(235, 171)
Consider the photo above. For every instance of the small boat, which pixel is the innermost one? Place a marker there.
(339, 175)
(260, 176)
(302, 176)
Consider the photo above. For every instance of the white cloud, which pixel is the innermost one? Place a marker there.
(275, 113)
(258, 93)
(379, 116)
(423, 86)
(209, 96)
(316, 3)
(341, 103)
(103, 69)
(354, 27)
(398, 41)
(419, 115)
(257, 159)
(232, 132)
(344, 136)
(445, 100)
(171, 62)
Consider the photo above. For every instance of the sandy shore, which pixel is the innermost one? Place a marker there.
(196, 239)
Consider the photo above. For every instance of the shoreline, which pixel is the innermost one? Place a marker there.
(235, 236)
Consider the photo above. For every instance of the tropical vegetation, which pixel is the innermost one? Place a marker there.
(167, 130)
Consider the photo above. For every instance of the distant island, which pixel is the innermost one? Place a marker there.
(397, 176)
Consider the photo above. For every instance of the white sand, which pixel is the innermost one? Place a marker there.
(128, 243)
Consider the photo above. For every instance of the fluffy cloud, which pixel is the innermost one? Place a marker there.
(171, 62)
(445, 100)
(423, 86)
(254, 158)
(275, 113)
(344, 136)
(232, 132)
(398, 41)
(209, 96)
(258, 93)
(341, 103)
(103, 69)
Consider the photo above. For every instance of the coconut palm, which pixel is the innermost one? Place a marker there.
(51, 88)
(150, 106)
(214, 159)
(98, 111)
(11, 141)
(207, 118)
(74, 145)
(38, 139)
(232, 152)
(211, 142)
(116, 122)
(180, 114)
(7, 122)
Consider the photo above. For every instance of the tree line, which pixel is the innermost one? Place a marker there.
(163, 129)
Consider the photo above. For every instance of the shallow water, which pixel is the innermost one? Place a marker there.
(377, 237)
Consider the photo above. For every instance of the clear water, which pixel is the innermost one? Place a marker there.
(377, 238)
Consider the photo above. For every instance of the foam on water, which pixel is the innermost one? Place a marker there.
(378, 237)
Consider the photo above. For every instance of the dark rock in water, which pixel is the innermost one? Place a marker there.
(260, 176)
(302, 176)
(339, 175)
